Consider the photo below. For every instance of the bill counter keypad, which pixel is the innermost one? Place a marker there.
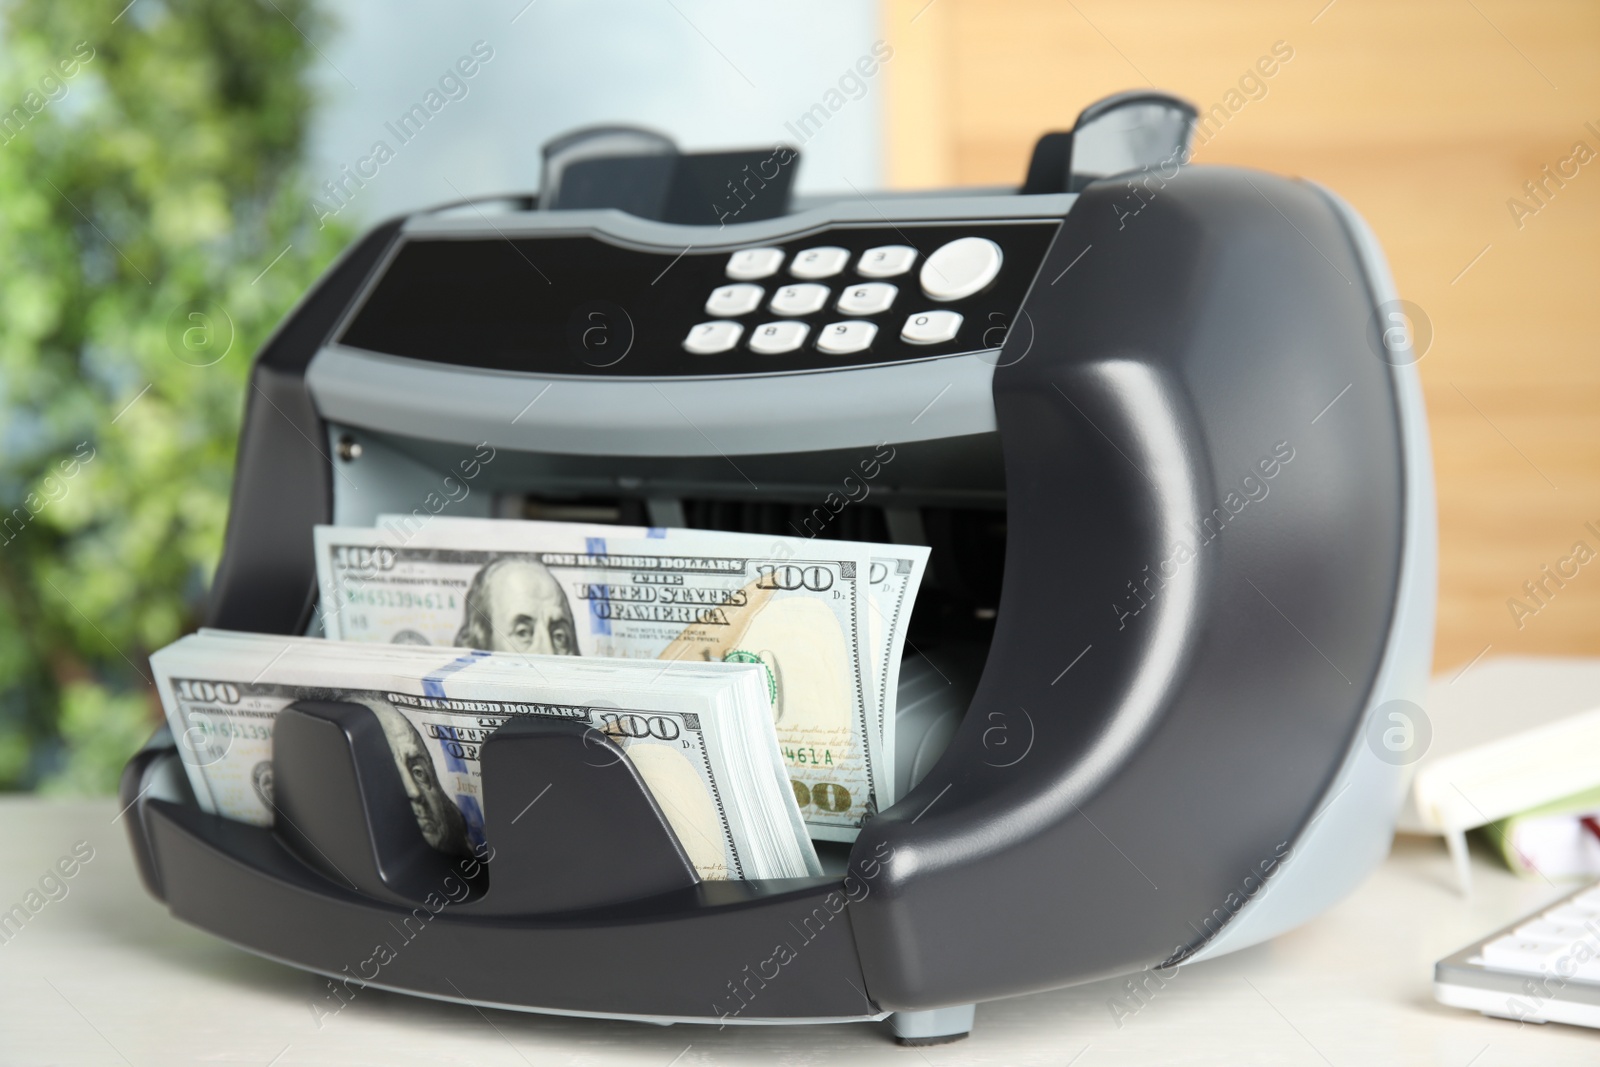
(957, 269)
(598, 305)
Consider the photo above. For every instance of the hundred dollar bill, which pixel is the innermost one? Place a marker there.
(802, 615)
(893, 583)
(895, 575)
(223, 692)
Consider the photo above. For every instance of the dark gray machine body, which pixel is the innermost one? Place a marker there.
(1176, 480)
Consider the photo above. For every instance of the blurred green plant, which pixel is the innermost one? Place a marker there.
(154, 227)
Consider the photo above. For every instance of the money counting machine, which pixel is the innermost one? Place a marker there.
(1159, 423)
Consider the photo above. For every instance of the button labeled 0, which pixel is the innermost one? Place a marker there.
(931, 328)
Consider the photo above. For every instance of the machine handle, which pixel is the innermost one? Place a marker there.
(1200, 584)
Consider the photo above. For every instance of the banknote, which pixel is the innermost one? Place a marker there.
(893, 581)
(802, 616)
(696, 740)
(895, 575)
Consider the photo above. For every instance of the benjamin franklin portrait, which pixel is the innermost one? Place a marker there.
(516, 605)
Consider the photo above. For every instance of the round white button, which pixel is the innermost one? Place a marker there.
(960, 268)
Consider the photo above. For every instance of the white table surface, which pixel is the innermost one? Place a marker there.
(105, 976)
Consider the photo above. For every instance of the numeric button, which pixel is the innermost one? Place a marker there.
(931, 328)
(799, 299)
(886, 261)
(734, 300)
(843, 338)
(776, 338)
(872, 298)
(710, 338)
(819, 262)
(960, 268)
(753, 263)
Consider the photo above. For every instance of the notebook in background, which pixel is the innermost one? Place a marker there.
(1509, 734)
(1552, 841)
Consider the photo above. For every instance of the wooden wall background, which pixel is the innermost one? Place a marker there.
(1428, 116)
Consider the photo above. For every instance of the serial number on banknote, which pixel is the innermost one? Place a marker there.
(247, 731)
(809, 756)
(401, 598)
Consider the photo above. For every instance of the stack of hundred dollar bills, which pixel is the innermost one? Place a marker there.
(719, 784)
(758, 706)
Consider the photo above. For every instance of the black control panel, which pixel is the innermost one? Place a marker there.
(848, 295)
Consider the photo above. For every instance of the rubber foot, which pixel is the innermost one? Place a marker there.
(924, 1042)
(939, 1026)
